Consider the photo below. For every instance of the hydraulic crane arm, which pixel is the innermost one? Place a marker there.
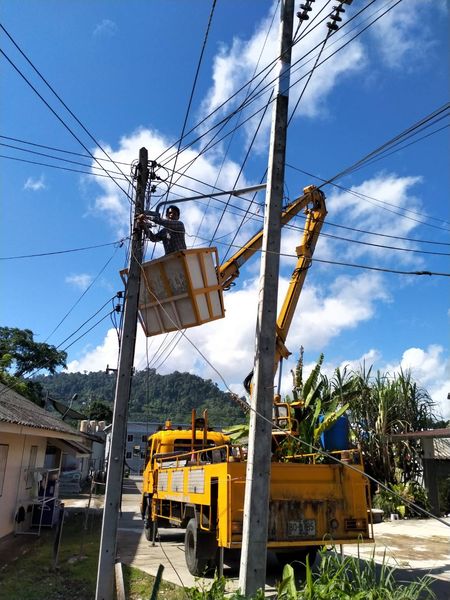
(314, 203)
(314, 220)
(228, 272)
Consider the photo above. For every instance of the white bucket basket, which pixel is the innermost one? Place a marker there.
(180, 290)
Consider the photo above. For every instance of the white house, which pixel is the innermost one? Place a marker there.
(32, 445)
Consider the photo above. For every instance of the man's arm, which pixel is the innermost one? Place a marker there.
(169, 224)
(155, 237)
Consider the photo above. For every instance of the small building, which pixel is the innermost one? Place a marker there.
(136, 445)
(33, 446)
(435, 459)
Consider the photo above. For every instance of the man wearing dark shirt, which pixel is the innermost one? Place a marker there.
(172, 232)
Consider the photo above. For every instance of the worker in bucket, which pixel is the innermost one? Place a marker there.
(171, 233)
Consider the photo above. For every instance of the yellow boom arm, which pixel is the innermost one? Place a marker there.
(228, 272)
(313, 203)
(315, 216)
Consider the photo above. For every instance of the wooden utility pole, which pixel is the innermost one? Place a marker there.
(107, 555)
(252, 574)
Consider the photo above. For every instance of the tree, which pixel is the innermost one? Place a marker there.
(20, 355)
(385, 406)
(100, 411)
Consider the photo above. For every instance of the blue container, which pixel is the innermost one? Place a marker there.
(337, 436)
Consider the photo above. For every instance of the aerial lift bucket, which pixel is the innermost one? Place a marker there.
(180, 290)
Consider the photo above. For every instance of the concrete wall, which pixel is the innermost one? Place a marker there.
(15, 486)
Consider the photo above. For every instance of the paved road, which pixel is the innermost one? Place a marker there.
(415, 548)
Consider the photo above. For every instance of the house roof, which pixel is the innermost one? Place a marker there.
(428, 433)
(16, 409)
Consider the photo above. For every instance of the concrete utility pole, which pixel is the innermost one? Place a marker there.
(252, 574)
(107, 555)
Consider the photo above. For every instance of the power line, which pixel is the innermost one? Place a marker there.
(404, 134)
(369, 268)
(67, 160)
(194, 84)
(42, 164)
(232, 137)
(118, 244)
(226, 119)
(44, 364)
(253, 215)
(61, 100)
(83, 294)
(365, 243)
(13, 139)
(248, 407)
(253, 97)
(62, 121)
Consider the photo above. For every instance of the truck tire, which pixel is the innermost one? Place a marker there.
(200, 549)
(298, 556)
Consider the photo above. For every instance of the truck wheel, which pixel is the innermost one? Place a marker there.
(298, 556)
(198, 561)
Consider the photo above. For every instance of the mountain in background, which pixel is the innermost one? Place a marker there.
(154, 397)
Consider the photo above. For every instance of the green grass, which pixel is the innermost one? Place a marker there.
(139, 585)
(31, 576)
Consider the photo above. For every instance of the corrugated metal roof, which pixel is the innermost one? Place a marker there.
(442, 449)
(16, 409)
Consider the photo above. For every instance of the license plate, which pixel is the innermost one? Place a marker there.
(302, 528)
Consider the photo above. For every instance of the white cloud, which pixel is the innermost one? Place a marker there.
(97, 359)
(228, 344)
(236, 64)
(197, 217)
(35, 185)
(105, 28)
(369, 206)
(403, 35)
(431, 369)
(81, 280)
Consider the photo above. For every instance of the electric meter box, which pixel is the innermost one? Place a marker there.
(180, 290)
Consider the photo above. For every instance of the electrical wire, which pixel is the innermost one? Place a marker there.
(44, 364)
(86, 332)
(118, 244)
(194, 85)
(248, 407)
(254, 97)
(62, 101)
(377, 200)
(244, 218)
(404, 134)
(61, 120)
(92, 283)
(73, 162)
(253, 215)
(34, 162)
(249, 90)
(80, 154)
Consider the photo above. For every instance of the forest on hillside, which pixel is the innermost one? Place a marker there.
(154, 397)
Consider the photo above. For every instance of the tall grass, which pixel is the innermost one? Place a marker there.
(349, 578)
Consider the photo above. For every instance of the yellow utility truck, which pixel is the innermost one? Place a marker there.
(195, 477)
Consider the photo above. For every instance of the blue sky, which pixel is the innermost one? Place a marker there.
(125, 70)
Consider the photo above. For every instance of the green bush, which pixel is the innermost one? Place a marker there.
(398, 498)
